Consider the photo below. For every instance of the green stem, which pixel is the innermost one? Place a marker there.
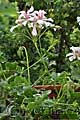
(63, 104)
(43, 33)
(41, 76)
(40, 46)
(35, 43)
(27, 63)
(39, 59)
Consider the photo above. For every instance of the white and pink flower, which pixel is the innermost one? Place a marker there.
(34, 19)
(75, 53)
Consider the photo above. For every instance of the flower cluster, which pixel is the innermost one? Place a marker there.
(78, 20)
(34, 19)
(75, 53)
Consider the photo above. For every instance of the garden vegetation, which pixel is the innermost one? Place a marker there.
(39, 45)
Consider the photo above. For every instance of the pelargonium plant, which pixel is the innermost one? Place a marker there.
(34, 19)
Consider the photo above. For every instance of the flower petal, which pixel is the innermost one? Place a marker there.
(47, 24)
(30, 10)
(71, 58)
(11, 30)
(40, 22)
(74, 49)
(69, 54)
(41, 14)
(24, 23)
(50, 19)
(78, 19)
(34, 31)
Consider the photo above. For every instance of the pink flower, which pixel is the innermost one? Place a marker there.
(75, 53)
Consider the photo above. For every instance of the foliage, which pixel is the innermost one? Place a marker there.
(26, 60)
